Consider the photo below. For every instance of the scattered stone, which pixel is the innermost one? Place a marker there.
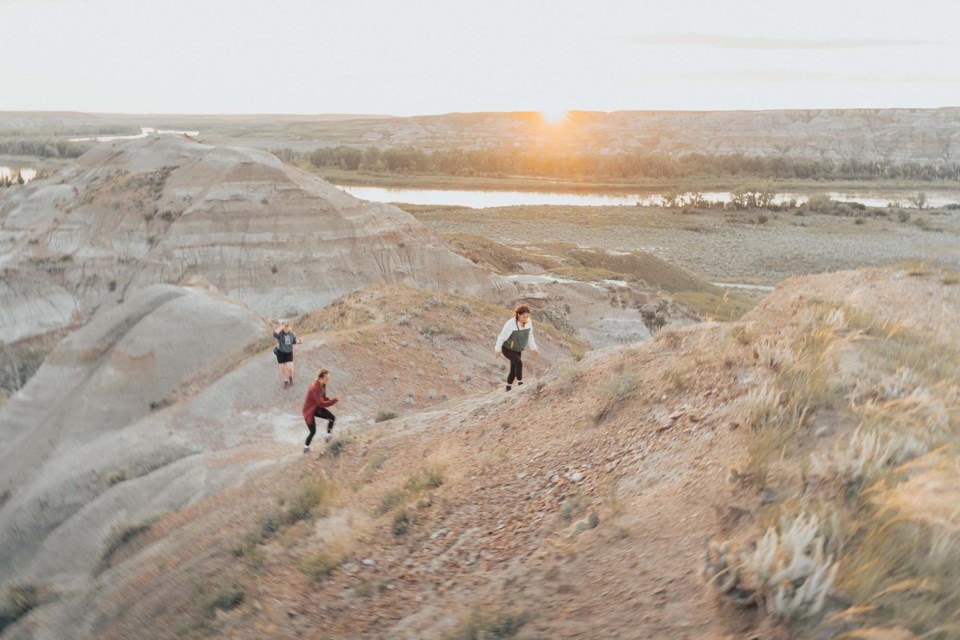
(368, 562)
(577, 476)
(769, 496)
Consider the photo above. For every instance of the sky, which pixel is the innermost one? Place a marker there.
(438, 56)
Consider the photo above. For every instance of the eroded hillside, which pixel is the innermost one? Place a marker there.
(163, 209)
(582, 504)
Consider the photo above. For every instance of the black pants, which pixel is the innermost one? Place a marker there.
(516, 365)
(312, 425)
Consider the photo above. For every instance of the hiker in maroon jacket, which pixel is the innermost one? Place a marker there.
(315, 406)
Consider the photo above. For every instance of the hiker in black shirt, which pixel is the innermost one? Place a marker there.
(284, 353)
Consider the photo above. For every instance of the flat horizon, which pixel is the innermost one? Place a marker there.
(451, 113)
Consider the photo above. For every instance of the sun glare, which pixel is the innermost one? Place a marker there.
(554, 116)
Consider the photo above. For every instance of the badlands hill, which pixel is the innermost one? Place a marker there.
(165, 209)
(792, 474)
(898, 135)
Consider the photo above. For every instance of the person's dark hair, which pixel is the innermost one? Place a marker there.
(324, 371)
(519, 311)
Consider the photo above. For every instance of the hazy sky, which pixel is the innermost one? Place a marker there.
(409, 57)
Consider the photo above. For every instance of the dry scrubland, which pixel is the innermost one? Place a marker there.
(637, 269)
(854, 417)
(758, 247)
(812, 443)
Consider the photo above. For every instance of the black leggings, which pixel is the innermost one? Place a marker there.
(516, 365)
(312, 425)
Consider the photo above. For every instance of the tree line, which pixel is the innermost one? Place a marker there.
(505, 162)
(44, 148)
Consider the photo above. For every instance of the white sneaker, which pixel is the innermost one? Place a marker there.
(306, 449)
(327, 436)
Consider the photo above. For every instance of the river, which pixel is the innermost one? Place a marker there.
(144, 132)
(477, 199)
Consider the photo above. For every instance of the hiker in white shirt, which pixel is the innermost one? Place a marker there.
(517, 335)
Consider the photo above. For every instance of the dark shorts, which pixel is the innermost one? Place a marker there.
(284, 358)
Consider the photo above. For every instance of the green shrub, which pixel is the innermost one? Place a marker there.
(338, 445)
(481, 625)
(574, 507)
(318, 565)
(117, 476)
(18, 601)
(309, 493)
(429, 477)
(390, 499)
(268, 525)
(383, 415)
(223, 593)
(121, 535)
(402, 521)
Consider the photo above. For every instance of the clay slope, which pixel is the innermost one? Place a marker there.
(158, 210)
(87, 422)
(172, 398)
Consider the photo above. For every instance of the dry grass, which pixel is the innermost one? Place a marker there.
(222, 593)
(17, 601)
(502, 258)
(376, 461)
(309, 498)
(905, 561)
(570, 261)
(789, 568)
(429, 477)
(804, 381)
(121, 536)
(890, 470)
(390, 499)
(950, 279)
(319, 564)
(489, 625)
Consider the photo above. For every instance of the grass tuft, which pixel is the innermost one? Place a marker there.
(489, 625)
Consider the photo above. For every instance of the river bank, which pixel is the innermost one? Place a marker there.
(644, 185)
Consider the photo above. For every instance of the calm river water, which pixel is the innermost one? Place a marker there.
(484, 199)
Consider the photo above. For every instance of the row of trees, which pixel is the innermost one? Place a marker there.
(503, 162)
(8, 180)
(44, 148)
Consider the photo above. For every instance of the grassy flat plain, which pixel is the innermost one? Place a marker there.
(721, 246)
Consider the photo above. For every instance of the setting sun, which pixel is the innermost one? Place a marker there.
(554, 116)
